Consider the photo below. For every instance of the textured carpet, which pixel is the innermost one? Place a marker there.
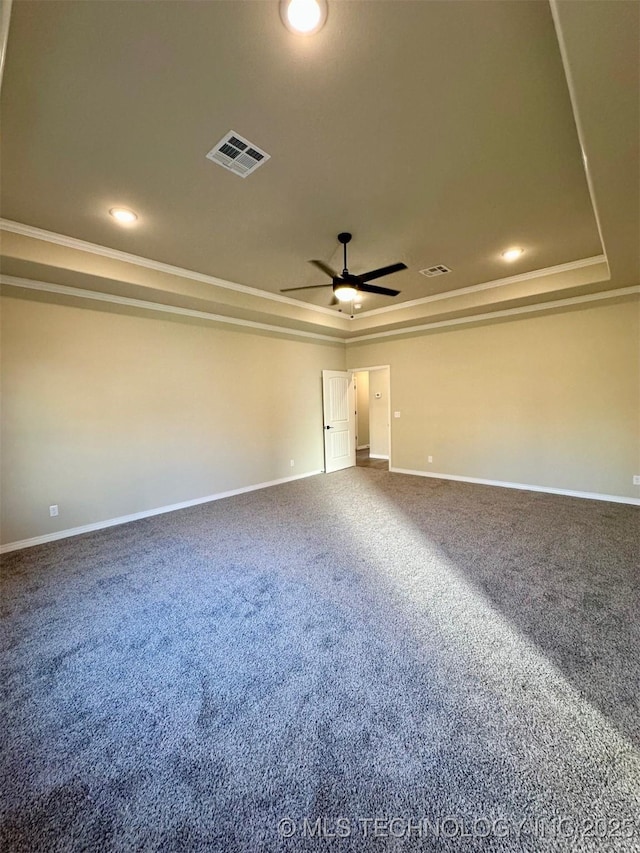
(356, 661)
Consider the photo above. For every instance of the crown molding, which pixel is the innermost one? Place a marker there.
(489, 285)
(117, 255)
(506, 312)
(97, 296)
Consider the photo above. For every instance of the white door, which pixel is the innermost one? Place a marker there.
(338, 400)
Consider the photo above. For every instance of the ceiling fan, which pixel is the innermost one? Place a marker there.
(347, 286)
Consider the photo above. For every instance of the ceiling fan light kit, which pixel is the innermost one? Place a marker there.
(345, 293)
(347, 286)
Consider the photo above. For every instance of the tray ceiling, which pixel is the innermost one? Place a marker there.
(437, 133)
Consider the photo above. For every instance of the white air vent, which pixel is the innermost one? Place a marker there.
(439, 269)
(237, 154)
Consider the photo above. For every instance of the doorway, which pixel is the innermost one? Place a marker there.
(373, 412)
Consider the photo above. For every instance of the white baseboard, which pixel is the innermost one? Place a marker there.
(362, 446)
(136, 516)
(593, 496)
(377, 456)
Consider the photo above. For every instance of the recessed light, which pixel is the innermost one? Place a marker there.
(512, 254)
(123, 215)
(304, 17)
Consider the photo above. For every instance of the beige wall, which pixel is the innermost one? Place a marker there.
(550, 401)
(109, 413)
(379, 412)
(362, 408)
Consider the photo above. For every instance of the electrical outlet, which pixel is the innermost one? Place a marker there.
(429, 458)
(291, 462)
(53, 510)
(636, 479)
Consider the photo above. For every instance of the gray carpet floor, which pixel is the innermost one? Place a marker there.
(356, 661)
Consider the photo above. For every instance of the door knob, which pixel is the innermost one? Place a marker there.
(328, 427)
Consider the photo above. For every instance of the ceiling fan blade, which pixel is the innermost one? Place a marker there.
(325, 268)
(382, 291)
(307, 287)
(369, 276)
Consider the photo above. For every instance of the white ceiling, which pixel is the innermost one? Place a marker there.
(437, 133)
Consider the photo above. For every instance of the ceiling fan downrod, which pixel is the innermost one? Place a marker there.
(344, 237)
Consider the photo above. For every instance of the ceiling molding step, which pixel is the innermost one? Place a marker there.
(24, 257)
(489, 285)
(576, 115)
(5, 18)
(98, 296)
(117, 255)
(32, 232)
(506, 312)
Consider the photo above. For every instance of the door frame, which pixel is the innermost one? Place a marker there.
(369, 370)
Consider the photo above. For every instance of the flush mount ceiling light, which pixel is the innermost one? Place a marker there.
(512, 254)
(123, 216)
(303, 17)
